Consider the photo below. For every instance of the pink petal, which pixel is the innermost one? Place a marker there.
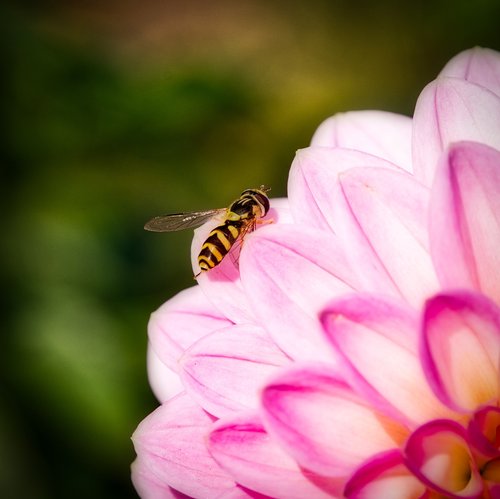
(383, 134)
(222, 285)
(384, 475)
(164, 382)
(378, 341)
(289, 272)
(171, 442)
(280, 212)
(224, 371)
(322, 423)
(461, 349)
(179, 322)
(148, 486)
(493, 489)
(478, 65)
(313, 183)
(449, 110)
(438, 454)
(240, 492)
(383, 223)
(465, 219)
(253, 458)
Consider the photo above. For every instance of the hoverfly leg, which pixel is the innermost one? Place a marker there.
(238, 245)
(265, 222)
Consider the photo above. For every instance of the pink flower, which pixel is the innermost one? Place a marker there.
(354, 351)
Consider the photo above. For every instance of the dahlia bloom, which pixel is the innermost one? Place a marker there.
(354, 351)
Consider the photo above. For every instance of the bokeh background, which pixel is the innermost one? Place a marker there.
(118, 111)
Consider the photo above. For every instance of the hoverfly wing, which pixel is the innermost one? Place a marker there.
(181, 221)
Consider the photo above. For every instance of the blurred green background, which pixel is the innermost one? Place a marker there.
(118, 111)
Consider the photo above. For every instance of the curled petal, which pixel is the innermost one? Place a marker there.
(449, 110)
(225, 370)
(322, 423)
(222, 285)
(181, 321)
(244, 448)
(461, 349)
(315, 168)
(289, 272)
(491, 473)
(438, 454)
(378, 340)
(384, 475)
(383, 134)
(484, 431)
(171, 442)
(383, 223)
(465, 219)
(164, 382)
(478, 65)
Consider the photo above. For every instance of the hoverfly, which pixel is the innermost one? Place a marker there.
(240, 218)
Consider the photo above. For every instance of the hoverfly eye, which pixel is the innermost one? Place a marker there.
(263, 202)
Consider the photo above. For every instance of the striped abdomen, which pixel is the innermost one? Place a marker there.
(218, 244)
